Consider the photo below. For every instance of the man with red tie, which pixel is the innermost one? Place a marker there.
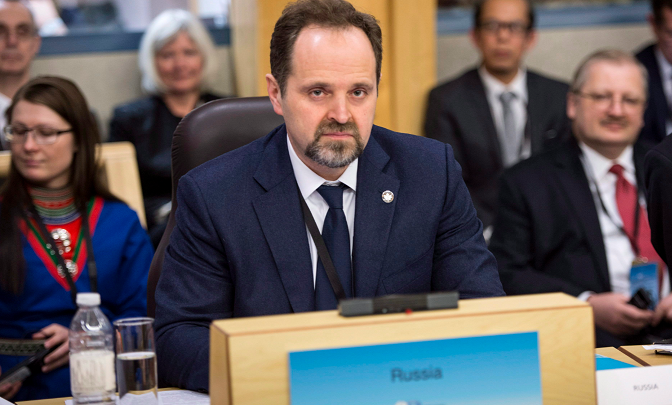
(574, 219)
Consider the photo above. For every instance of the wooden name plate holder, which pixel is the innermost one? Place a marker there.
(248, 356)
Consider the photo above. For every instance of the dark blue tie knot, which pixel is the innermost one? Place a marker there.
(333, 195)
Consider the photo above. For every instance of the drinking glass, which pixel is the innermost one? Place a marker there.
(136, 361)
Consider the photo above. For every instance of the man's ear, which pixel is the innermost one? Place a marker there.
(652, 21)
(37, 43)
(274, 93)
(571, 105)
(530, 40)
(474, 39)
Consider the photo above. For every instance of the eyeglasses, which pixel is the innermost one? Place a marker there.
(493, 27)
(41, 135)
(604, 100)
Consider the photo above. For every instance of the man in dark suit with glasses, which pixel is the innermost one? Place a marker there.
(499, 113)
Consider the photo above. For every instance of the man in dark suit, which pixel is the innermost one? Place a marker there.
(657, 58)
(563, 222)
(395, 214)
(499, 113)
(658, 176)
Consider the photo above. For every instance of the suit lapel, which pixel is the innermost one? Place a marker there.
(577, 190)
(281, 220)
(534, 111)
(479, 101)
(373, 217)
(638, 154)
(656, 90)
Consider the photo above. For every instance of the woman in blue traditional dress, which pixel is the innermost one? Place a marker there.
(61, 232)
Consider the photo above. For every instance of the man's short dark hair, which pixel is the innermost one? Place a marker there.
(657, 9)
(337, 14)
(478, 10)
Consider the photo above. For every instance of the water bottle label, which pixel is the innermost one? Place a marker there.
(92, 371)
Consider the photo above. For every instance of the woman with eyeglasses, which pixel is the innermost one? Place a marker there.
(62, 232)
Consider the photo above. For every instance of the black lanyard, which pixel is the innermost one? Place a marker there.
(633, 238)
(52, 250)
(322, 250)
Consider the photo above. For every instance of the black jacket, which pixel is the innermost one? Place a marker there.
(547, 234)
(149, 125)
(657, 109)
(658, 177)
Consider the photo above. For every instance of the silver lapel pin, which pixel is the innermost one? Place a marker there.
(388, 196)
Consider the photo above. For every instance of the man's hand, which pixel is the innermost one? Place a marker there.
(614, 314)
(56, 335)
(663, 310)
(7, 391)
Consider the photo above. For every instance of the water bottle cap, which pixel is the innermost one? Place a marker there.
(88, 299)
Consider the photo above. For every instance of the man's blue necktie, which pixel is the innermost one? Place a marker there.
(337, 238)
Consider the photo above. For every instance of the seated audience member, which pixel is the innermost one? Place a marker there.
(19, 43)
(572, 219)
(392, 208)
(178, 64)
(658, 176)
(500, 112)
(657, 58)
(54, 197)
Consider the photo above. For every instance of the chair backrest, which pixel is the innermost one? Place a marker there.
(120, 171)
(211, 130)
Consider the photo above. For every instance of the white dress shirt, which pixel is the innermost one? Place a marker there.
(666, 77)
(4, 104)
(309, 182)
(493, 90)
(620, 254)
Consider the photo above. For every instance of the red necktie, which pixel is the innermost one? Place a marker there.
(627, 201)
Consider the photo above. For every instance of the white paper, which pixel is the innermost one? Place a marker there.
(5, 402)
(179, 397)
(183, 397)
(635, 386)
(658, 347)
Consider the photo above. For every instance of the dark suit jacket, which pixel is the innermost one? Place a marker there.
(658, 175)
(547, 234)
(458, 113)
(657, 109)
(240, 248)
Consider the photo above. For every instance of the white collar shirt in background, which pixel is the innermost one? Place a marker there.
(493, 90)
(309, 182)
(618, 249)
(4, 104)
(666, 77)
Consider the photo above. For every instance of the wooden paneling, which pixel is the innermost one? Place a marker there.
(244, 25)
(121, 172)
(254, 363)
(413, 61)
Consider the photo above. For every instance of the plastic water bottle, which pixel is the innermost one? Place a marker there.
(92, 377)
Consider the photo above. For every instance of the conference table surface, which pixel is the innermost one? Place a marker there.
(635, 355)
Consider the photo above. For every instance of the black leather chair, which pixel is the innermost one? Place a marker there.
(207, 132)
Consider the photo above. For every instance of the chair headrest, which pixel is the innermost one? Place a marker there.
(218, 127)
